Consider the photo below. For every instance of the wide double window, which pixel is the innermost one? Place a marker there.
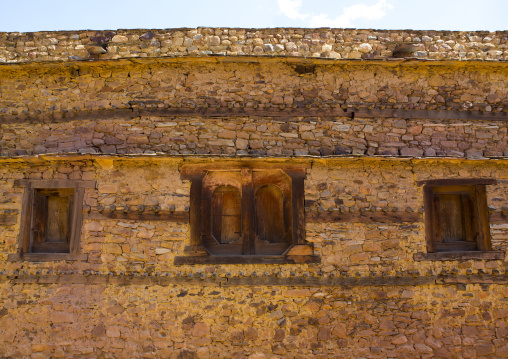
(241, 211)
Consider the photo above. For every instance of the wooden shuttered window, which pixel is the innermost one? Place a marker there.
(246, 212)
(250, 213)
(456, 216)
(51, 220)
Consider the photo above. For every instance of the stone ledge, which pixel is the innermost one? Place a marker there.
(200, 279)
(285, 114)
(289, 259)
(46, 257)
(459, 256)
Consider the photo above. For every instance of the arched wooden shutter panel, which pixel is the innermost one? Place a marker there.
(226, 214)
(270, 221)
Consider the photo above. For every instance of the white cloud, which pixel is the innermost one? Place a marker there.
(291, 8)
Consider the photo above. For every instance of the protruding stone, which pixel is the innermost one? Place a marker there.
(214, 40)
(119, 38)
(411, 152)
(364, 48)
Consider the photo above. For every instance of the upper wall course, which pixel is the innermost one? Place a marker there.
(286, 42)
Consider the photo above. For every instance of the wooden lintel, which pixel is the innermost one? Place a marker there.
(473, 279)
(300, 281)
(184, 260)
(198, 170)
(177, 216)
(457, 182)
(289, 114)
(459, 256)
(54, 183)
(310, 217)
(46, 257)
(363, 217)
(430, 114)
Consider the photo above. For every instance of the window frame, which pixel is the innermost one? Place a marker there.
(75, 219)
(298, 251)
(476, 187)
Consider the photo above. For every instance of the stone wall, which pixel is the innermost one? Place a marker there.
(367, 298)
(189, 321)
(260, 137)
(317, 43)
(254, 109)
(367, 132)
(345, 186)
(67, 91)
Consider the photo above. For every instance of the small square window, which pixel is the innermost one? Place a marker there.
(51, 220)
(246, 213)
(456, 215)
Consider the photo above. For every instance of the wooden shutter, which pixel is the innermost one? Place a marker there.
(51, 220)
(270, 223)
(226, 214)
(39, 220)
(222, 234)
(452, 218)
(455, 219)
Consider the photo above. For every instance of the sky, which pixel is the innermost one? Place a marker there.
(43, 15)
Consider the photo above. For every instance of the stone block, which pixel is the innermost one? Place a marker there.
(411, 152)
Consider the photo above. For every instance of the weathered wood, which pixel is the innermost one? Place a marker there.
(272, 206)
(456, 214)
(64, 228)
(301, 250)
(8, 219)
(270, 224)
(473, 279)
(58, 219)
(26, 219)
(290, 114)
(429, 213)
(457, 182)
(451, 214)
(226, 214)
(430, 114)
(167, 216)
(77, 221)
(330, 281)
(363, 217)
(498, 217)
(298, 200)
(55, 183)
(191, 171)
(38, 221)
(268, 281)
(248, 212)
(182, 260)
(47, 257)
(482, 213)
(459, 256)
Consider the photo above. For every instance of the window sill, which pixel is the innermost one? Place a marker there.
(457, 256)
(46, 257)
(289, 259)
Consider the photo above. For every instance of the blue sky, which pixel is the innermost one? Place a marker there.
(38, 15)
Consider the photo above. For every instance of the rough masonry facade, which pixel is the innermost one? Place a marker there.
(121, 136)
